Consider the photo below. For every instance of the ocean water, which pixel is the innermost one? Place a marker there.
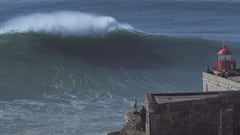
(74, 67)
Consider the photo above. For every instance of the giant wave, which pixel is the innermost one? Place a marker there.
(41, 58)
(80, 35)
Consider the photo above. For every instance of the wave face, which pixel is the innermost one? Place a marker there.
(71, 73)
(64, 23)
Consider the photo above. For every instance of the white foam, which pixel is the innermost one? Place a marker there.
(64, 23)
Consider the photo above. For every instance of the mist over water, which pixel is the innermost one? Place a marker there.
(74, 67)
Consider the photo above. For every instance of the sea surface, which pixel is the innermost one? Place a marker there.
(73, 67)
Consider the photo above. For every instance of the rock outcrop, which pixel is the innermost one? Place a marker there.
(133, 126)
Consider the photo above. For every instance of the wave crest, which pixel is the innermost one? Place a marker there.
(66, 23)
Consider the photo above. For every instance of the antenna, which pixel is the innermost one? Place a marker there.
(224, 44)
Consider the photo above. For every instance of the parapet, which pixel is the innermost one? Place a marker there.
(212, 82)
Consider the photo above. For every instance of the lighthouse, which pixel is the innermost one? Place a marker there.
(225, 65)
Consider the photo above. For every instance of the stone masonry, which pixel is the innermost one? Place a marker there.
(211, 113)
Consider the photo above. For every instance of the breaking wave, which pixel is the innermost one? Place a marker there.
(66, 23)
(61, 52)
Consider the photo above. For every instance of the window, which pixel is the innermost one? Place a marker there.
(224, 57)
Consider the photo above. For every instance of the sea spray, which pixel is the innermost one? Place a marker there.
(65, 23)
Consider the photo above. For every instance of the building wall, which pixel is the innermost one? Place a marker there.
(192, 122)
(210, 116)
(215, 83)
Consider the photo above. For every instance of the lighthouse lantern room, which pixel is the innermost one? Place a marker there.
(225, 65)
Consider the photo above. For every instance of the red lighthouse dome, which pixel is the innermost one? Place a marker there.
(225, 63)
(224, 50)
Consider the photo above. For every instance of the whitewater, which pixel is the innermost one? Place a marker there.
(65, 23)
(74, 67)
